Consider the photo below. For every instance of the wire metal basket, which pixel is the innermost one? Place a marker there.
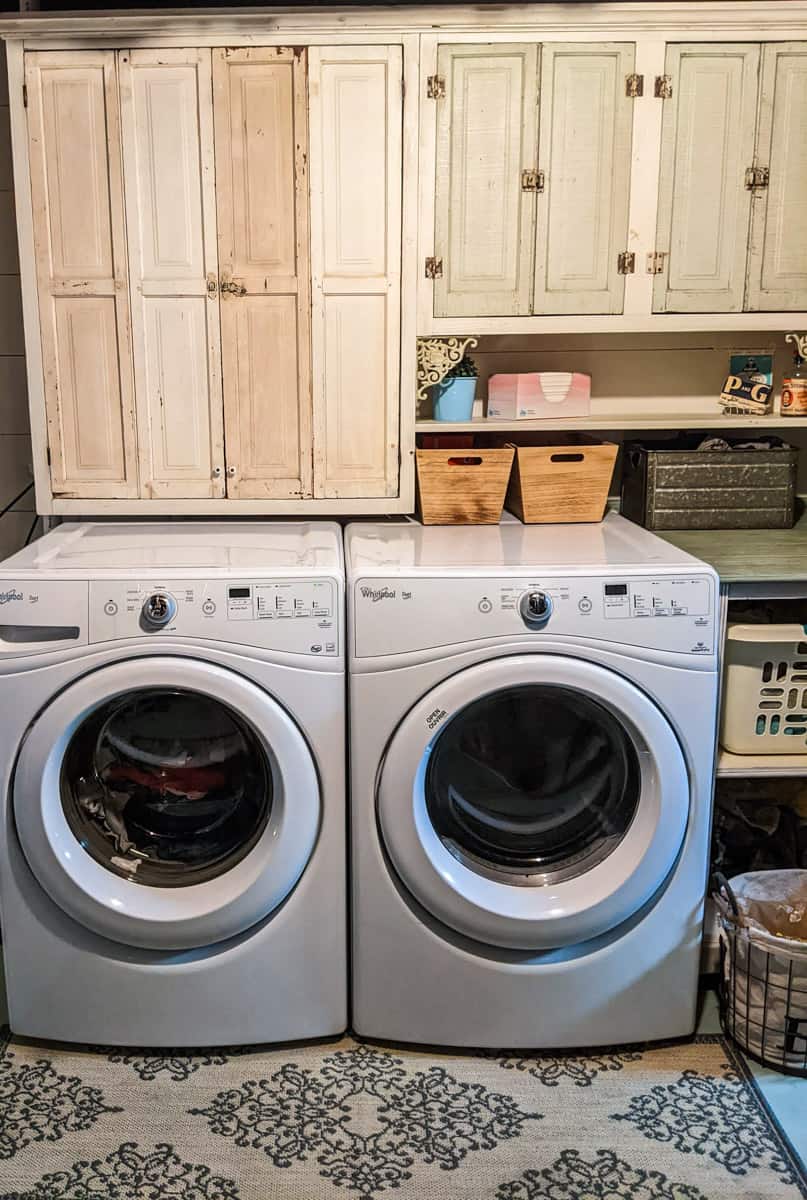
(763, 991)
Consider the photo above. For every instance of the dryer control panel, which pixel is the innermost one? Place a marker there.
(672, 613)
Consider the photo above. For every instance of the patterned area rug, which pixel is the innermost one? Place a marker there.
(682, 1121)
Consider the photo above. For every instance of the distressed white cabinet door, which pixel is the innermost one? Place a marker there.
(77, 198)
(704, 206)
(167, 120)
(584, 152)
(261, 132)
(484, 221)
(777, 268)
(355, 126)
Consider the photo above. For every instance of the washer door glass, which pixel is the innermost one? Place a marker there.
(166, 787)
(165, 802)
(533, 781)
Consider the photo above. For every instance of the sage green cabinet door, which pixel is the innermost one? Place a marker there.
(486, 137)
(777, 268)
(584, 153)
(704, 205)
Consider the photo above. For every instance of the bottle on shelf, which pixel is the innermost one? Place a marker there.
(794, 384)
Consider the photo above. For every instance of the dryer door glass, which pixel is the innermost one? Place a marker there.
(166, 787)
(533, 784)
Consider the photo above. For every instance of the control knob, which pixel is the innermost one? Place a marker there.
(158, 610)
(535, 609)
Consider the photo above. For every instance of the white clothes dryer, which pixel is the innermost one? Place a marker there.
(533, 722)
(172, 863)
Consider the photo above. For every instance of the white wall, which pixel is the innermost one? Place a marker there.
(15, 446)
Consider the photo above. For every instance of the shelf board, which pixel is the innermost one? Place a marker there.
(615, 421)
(759, 766)
(748, 555)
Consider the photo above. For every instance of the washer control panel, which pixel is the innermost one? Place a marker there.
(295, 616)
(672, 613)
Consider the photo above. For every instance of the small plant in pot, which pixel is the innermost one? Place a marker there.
(454, 396)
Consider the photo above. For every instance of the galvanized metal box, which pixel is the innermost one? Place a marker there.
(678, 487)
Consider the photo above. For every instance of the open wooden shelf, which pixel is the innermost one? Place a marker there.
(670, 421)
(759, 766)
(748, 555)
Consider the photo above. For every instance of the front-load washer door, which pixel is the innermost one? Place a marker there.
(534, 801)
(166, 802)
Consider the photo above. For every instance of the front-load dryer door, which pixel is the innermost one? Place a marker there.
(534, 801)
(166, 803)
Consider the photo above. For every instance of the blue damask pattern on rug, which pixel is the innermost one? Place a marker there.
(716, 1117)
(39, 1105)
(128, 1174)
(603, 1177)
(425, 1117)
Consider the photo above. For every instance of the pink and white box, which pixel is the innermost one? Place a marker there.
(534, 395)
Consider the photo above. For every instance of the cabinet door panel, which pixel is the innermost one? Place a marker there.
(778, 255)
(584, 150)
(166, 107)
(484, 222)
(704, 206)
(355, 123)
(262, 196)
(76, 190)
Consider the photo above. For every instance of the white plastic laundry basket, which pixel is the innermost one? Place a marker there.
(763, 989)
(765, 690)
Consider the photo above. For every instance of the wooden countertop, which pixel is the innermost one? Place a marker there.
(748, 555)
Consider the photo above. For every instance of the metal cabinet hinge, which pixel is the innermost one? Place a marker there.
(757, 177)
(626, 262)
(663, 87)
(48, 454)
(436, 87)
(434, 268)
(655, 262)
(533, 181)
(25, 95)
(634, 86)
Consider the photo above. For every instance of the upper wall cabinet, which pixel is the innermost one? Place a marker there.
(533, 157)
(733, 191)
(218, 238)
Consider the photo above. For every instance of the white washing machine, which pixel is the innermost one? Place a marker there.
(533, 718)
(172, 863)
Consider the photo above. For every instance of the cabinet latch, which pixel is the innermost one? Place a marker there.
(436, 87)
(655, 262)
(756, 177)
(626, 262)
(663, 87)
(532, 181)
(634, 86)
(434, 268)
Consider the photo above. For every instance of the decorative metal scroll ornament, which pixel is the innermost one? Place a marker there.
(799, 341)
(436, 357)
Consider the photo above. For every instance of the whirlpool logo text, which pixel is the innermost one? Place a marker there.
(12, 594)
(376, 594)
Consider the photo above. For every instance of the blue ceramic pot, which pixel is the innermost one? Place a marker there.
(454, 399)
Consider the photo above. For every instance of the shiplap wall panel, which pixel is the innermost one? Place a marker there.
(584, 150)
(262, 197)
(777, 269)
(167, 120)
(79, 236)
(704, 206)
(356, 111)
(484, 221)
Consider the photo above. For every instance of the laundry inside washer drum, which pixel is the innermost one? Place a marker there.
(535, 783)
(167, 787)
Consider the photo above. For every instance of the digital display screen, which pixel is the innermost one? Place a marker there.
(616, 589)
(239, 593)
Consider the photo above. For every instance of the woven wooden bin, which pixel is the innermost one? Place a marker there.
(461, 486)
(559, 484)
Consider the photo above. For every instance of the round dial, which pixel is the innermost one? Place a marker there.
(535, 609)
(159, 610)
